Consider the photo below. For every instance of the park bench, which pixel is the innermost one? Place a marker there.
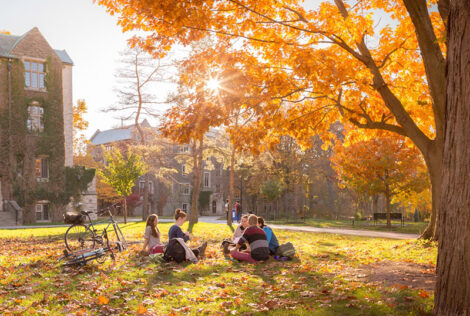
(393, 216)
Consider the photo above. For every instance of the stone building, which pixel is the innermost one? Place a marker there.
(35, 128)
(175, 192)
(121, 138)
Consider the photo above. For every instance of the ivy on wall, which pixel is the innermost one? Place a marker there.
(20, 152)
(204, 198)
(77, 179)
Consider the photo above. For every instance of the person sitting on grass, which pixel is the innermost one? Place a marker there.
(227, 243)
(272, 239)
(176, 232)
(239, 231)
(152, 236)
(258, 244)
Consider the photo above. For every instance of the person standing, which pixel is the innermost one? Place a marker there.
(238, 211)
(227, 209)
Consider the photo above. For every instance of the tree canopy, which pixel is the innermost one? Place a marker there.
(371, 64)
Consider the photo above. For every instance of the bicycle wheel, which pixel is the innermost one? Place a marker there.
(117, 236)
(79, 237)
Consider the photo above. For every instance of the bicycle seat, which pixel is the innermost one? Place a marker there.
(86, 212)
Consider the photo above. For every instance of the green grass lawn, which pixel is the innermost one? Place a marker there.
(409, 227)
(321, 280)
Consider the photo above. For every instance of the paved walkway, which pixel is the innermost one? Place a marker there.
(308, 229)
(346, 231)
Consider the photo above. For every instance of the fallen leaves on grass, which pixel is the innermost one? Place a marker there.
(135, 285)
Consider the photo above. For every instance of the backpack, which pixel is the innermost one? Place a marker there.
(286, 250)
(174, 251)
(73, 218)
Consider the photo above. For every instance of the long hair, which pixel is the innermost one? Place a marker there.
(261, 221)
(151, 223)
(179, 213)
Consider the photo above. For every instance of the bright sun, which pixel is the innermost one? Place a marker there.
(213, 84)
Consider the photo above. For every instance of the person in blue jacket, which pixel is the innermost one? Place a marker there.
(176, 232)
(272, 239)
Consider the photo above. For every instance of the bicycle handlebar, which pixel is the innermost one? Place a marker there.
(108, 209)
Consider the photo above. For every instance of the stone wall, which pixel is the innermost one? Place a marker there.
(68, 115)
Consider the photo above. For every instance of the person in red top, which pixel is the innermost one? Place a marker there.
(258, 243)
(238, 211)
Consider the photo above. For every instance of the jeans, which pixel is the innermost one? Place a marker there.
(242, 256)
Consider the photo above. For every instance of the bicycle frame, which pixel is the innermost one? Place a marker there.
(83, 257)
(110, 220)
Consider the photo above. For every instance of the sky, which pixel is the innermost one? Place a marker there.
(90, 36)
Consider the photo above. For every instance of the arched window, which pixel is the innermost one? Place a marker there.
(35, 122)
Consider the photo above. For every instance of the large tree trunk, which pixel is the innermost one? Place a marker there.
(387, 200)
(387, 207)
(198, 150)
(452, 296)
(434, 164)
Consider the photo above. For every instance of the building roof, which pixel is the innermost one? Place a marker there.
(64, 56)
(109, 136)
(8, 43)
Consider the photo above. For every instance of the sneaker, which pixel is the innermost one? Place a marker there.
(202, 249)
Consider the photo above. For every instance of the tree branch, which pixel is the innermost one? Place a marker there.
(379, 125)
(434, 62)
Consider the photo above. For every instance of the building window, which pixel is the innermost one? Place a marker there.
(34, 75)
(42, 169)
(183, 169)
(19, 164)
(185, 189)
(217, 188)
(185, 207)
(108, 147)
(42, 212)
(214, 207)
(35, 122)
(206, 179)
(142, 187)
(185, 149)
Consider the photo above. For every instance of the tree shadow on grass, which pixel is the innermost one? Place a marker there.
(190, 227)
(174, 272)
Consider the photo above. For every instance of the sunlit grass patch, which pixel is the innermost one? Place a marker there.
(317, 281)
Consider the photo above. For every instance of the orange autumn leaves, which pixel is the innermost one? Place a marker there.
(281, 45)
(381, 165)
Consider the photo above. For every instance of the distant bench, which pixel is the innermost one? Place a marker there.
(393, 216)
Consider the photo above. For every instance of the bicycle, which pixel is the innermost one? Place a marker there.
(82, 257)
(81, 236)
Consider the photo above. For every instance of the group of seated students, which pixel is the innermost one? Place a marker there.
(152, 235)
(260, 238)
(252, 240)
